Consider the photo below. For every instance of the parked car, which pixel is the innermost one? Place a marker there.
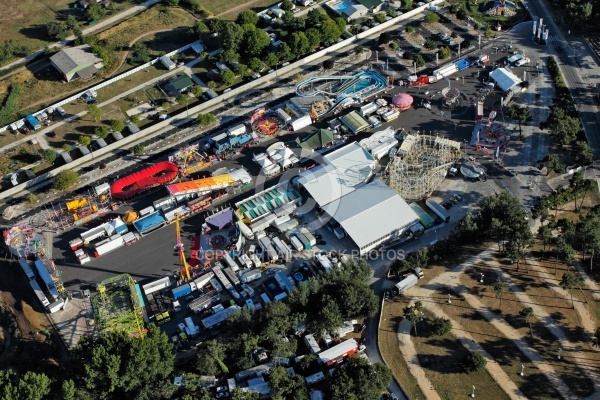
(362, 348)
(271, 271)
(457, 197)
(394, 397)
(321, 242)
(222, 395)
(222, 389)
(317, 236)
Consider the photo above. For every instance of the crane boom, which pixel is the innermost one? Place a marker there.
(185, 268)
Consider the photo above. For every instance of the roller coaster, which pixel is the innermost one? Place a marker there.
(347, 89)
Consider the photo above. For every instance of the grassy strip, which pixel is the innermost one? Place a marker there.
(9, 108)
(390, 349)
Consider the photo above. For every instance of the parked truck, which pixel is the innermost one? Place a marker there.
(250, 275)
(407, 281)
(368, 109)
(312, 240)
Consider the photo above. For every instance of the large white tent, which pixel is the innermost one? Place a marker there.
(505, 79)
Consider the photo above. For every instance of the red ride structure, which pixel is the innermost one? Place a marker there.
(147, 178)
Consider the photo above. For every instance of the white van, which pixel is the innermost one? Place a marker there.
(61, 111)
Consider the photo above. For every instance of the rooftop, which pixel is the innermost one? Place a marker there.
(370, 205)
(340, 172)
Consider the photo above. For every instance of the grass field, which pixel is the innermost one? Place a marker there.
(24, 20)
(221, 7)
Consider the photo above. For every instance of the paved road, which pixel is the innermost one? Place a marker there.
(579, 68)
(91, 29)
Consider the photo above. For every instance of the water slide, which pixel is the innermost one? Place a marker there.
(345, 88)
(155, 175)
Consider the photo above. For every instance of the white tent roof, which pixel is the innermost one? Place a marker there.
(282, 155)
(375, 206)
(504, 78)
(379, 143)
(340, 173)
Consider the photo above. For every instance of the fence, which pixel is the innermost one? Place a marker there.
(207, 104)
(108, 82)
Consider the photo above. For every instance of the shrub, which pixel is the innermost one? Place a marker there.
(65, 179)
(117, 125)
(410, 29)
(432, 18)
(475, 362)
(50, 156)
(32, 198)
(67, 147)
(206, 119)
(101, 132)
(441, 326)
(138, 149)
(84, 140)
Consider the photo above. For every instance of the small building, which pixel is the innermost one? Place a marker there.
(178, 85)
(374, 6)
(77, 63)
(132, 128)
(198, 47)
(167, 63)
(278, 12)
(338, 352)
(505, 79)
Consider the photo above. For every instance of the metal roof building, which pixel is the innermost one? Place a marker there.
(76, 63)
(376, 206)
(340, 173)
(505, 79)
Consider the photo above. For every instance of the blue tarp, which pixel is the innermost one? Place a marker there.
(149, 222)
(463, 64)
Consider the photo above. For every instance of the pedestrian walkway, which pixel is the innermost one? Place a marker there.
(407, 348)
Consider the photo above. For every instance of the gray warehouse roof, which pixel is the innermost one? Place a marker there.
(371, 212)
(339, 174)
(74, 57)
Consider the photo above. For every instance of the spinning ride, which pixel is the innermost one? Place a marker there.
(267, 125)
(450, 97)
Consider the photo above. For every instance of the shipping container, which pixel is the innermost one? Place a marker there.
(296, 243)
(231, 276)
(237, 130)
(268, 250)
(312, 240)
(106, 247)
(218, 271)
(282, 250)
(181, 291)
(438, 210)
(255, 260)
(304, 241)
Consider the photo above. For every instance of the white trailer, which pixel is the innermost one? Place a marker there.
(237, 130)
(250, 275)
(255, 260)
(390, 115)
(203, 280)
(301, 122)
(296, 243)
(368, 109)
(406, 283)
(282, 249)
(56, 306)
(268, 249)
(247, 232)
(114, 243)
(230, 262)
(245, 260)
(309, 236)
(159, 284)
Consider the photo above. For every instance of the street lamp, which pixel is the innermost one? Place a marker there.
(522, 370)
(473, 391)
(559, 351)
(481, 279)
(450, 301)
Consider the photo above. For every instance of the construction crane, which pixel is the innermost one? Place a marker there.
(185, 268)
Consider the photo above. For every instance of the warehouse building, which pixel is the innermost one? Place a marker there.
(77, 63)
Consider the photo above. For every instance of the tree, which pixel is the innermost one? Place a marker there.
(419, 60)
(554, 164)
(385, 37)
(408, 4)
(341, 23)
(328, 64)
(566, 129)
(359, 380)
(68, 390)
(117, 125)
(94, 11)
(529, 317)
(272, 59)
(31, 386)
(247, 17)
(212, 85)
(298, 78)
(256, 41)
(358, 50)
(500, 287)
(32, 198)
(430, 44)
(393, 45)
(135, 119)
(197, 91)
(138, 150)
(410, 29)
(228, 77)
(229, 56)
(287, 5)
(284, 52)
(545, 234)
(314, 17)
(67, 147)
(441, 326)
(445, 53)
(475, 362)
(583, 153)
(206, 119)
(165, 105)
(94, 111)
(56, 30)
(140, 53)
(183, 99)
(84, 140)
(101, 132)
(116, 365)
(49, 156)
(330, 31)
(65, 179)
(283, 386)
(570, 281)
(256, 64)
(71, 22)
(299, 44)
(413, 314)
(379, 17)
(242, 70)
(576, 183)
(231, 35)
(520, 114)
(432, 18)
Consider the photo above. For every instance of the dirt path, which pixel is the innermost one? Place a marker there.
(407, 348)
